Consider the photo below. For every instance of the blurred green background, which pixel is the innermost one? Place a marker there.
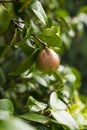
(76, 55)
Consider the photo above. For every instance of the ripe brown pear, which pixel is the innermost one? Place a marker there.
(47, 60)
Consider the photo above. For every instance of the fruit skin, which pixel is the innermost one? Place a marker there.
(4, 19)
(47, 60)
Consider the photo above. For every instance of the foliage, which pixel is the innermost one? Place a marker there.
(29, 98)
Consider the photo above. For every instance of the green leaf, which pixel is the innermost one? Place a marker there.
(83, 9)
(4, 18)
(27, 35)
(65, 24)
(35, 117)
(39, 11)
(5, 115)
(66, 40)
(6, 104)
(55, 126)
(59, 113)
(70, 75)
(15, 124)
(65, 119)
(56, 103)
(61, 13)
(78, 77)
(26, 64)
(51, 36)
(2, 76)
(25, 3)
(40, 80)
(35, 105)
(6, 109)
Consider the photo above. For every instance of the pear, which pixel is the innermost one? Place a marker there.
(4, 19)
(47, 60)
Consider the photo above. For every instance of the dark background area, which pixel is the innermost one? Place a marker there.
(77, 54)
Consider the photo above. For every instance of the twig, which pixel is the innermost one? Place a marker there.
(10, 45)
(16, 24)
(42, 42)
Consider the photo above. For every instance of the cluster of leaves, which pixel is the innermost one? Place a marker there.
(43, 101)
